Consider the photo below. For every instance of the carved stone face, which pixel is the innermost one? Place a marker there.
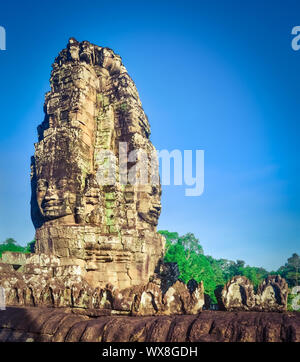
(58, 177)
(93, 105)
(149, 206)
(56, 198)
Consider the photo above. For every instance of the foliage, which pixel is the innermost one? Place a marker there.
(217, 270)
(30, 247)
(290, 301)
(192, 263)
(227, 269)
(11, 245)
(255, 274)
(290, 271)
(10, 241)
(187, 252)
(170, 237)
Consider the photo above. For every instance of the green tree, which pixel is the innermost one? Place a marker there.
(191, 244)
(10, 244)
(261, 273)
(225, 267)
(217, 270)
(294, 264)
(254, 274)
(171, 237)
(187, 252)
(235, 268)
(290, 271)
(10, 241)
(250, 273)
(30, 247)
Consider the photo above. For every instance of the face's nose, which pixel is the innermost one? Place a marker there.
(157, 206)
(50, 194)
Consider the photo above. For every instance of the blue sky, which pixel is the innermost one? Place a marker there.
(220, 76)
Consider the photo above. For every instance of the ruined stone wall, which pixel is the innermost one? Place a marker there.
(40, 280)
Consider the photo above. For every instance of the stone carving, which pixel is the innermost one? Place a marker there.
(107, 228)
(238, 294)
(45, 281)
(179, 300)
(166, 275)
(192, 285)
(97, 249)
(272, 294)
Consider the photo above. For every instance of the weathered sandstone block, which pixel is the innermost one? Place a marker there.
(272, 294)
(179, 300)
(238, 294)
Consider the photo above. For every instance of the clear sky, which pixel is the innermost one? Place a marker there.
(214, 75)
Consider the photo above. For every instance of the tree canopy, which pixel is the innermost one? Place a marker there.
(188, 253)
(11, 244)
(290, 271)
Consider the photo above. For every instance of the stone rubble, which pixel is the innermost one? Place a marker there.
(238, 295)
(43, 281)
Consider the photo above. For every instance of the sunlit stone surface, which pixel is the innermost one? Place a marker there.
(108, 230)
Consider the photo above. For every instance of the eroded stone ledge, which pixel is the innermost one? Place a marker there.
(55, 325)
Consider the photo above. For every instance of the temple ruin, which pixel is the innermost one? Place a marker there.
(106, 229)
(97, 250)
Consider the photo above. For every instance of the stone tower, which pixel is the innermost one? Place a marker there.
(107, 229)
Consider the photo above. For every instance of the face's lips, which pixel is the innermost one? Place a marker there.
(155, 212)
(51, 204)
